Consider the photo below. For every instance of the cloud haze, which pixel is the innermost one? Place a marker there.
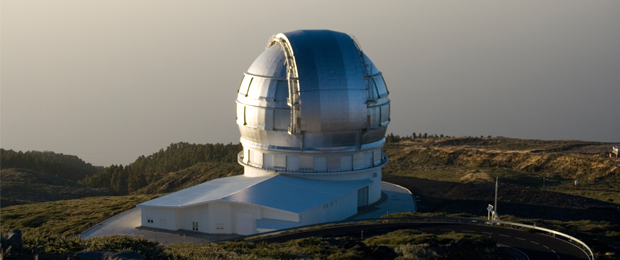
(112, 80)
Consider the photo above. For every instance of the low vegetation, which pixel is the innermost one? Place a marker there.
(403, 244)
(148, 169)
(449, 174)
(548, 165)
(21, 186)
(66, 217)
(600, 236)
(194, 175)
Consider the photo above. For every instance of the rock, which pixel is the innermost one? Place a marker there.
(13, 240)
(125, 255)
(382, 252)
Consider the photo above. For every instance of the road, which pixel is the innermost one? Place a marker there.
(534, 245)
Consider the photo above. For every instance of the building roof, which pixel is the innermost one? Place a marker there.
(295, 194)
(204, 192)
(286, 193)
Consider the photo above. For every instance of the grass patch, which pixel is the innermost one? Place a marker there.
(604, 190)
(67, 217)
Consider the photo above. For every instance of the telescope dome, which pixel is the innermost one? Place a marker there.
(312, 90)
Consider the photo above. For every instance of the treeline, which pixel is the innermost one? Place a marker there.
(392, 138)
(64, 166)
(147, 169)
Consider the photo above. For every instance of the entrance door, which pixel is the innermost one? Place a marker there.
(245, 223)
(362, 197)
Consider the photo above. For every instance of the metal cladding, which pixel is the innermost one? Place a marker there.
(312, 90)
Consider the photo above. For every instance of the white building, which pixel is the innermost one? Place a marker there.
(312, 111)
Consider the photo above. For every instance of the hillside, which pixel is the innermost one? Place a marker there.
(199, 173)
(457, 175)
(147, 169)
(65, 166)
(20, 186)
(565, 159)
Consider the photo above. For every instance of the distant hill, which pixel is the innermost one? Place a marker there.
(65, 166)
(566, 159)
(178, 156)
(148, 169)
(22, 186)
(199, 173)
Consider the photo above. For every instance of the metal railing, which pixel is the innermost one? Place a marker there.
(475, 221)
(284, 170)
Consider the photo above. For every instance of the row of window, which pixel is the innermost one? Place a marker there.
(163, 223)
(312, 163)
(279, 119)
(277, 90)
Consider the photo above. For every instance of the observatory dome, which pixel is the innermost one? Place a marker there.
(340, 97)
(310, 92)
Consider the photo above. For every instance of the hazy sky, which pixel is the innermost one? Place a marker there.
(109, 81)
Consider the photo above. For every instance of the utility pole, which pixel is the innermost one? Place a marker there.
(495, 207)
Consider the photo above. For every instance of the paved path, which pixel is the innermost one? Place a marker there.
(533, 245)
(398, 200)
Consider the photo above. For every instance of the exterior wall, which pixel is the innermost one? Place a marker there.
(335, 210)
(164, 218)
(244, 209)
(374, 174)
(279, 215)
(220, 218)
(198, 214)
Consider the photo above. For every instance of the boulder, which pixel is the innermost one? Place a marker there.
(89, 255)
(13, 240)
(125, 255)
(382, 252)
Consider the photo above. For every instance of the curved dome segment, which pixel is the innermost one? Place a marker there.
(332, 88)
(271, 63)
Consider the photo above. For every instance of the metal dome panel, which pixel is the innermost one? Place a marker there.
(271, 63)
(313, 90)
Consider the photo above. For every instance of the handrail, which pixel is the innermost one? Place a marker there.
(456, 219)
(570, 238)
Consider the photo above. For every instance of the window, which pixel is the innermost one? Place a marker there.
(149, 220)
(194, 226)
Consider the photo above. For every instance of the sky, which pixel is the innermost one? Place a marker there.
(111, 80)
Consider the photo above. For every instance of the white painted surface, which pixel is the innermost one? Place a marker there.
(398, 200)
(333, 210)
(220, 218)
(164, 218)
(245, 224)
